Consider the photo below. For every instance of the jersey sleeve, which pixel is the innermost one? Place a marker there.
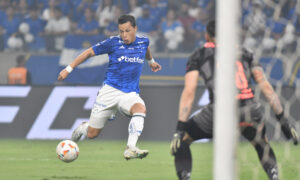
(193, 62)
(147, 42)
(104, 47)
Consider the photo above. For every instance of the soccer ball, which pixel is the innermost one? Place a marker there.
(67, 151)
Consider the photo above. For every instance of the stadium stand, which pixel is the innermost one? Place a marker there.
(44, 28)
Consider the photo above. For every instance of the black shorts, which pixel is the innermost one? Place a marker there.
(251, 117)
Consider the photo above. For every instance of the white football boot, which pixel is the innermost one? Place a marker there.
(134, 152)
(78, 132)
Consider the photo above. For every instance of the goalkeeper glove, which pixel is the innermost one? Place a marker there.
(178, 137)
(287, 128)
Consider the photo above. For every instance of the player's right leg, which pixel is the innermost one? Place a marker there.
(85, 130)
(198, 127)
(104, 108)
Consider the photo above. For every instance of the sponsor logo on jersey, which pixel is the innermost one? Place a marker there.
(131, 59)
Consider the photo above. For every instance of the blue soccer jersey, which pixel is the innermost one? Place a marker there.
(125, 62)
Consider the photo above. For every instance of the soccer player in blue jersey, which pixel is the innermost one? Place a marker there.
(120, 92)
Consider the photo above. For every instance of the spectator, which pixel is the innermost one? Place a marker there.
(269, 8)
(173, 31)
(288, 9)
(186, 21)
(48, 13)
(147, 26)
(194, 8)
(105, 13)
(255, 21)
(92, 4)
(80, 6)
(22, 10)
(66, 7)
(156, 12)
(205, 4)
(36, 29)
(11, 24)
(55, 31)
(112, 28)
(199, 28)
(277, 28)
(254, 25)
(297, 25)
(134, 9)
(19, 74)
(4, 4)
(88, 25)
(208, 6)
(41, 4)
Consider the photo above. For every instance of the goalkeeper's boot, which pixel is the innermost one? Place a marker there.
(273, 174)
(184, 175)
(78, 132)
(134, 152)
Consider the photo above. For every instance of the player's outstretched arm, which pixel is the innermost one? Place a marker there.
(287, 128)
(152, 63)
(185, 106)
(78, 60)
(188, 95)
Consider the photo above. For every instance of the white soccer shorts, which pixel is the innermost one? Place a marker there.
(108, 102)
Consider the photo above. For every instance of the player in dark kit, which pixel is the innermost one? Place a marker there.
(199, 126)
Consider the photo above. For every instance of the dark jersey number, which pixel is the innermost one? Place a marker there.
(240, 77)
(242, 83)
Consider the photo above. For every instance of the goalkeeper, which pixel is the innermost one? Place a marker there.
(200, 126)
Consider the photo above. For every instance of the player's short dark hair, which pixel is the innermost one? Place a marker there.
(127, 18)
(211, 28)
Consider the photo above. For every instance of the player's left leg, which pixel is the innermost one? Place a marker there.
(132, 105)
(94, 126)
(254, 130)
(265, 152)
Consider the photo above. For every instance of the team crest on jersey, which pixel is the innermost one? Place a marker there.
(131, 59)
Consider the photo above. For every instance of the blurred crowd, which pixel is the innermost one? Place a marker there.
(42, 25)
(172, 26)
(271, 25)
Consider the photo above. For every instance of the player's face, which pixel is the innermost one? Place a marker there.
(127, 32)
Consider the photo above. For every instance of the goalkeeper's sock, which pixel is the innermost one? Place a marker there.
(135, 128)
(267, 159)
(183, 162)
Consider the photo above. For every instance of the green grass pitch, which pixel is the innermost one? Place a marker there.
(36, 160)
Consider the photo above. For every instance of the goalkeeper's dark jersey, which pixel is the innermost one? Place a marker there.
(203, 60)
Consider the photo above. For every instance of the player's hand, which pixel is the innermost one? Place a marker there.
(63, 75)
(176, 141)
(289, 131)
(155, 67)
(287, 128)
